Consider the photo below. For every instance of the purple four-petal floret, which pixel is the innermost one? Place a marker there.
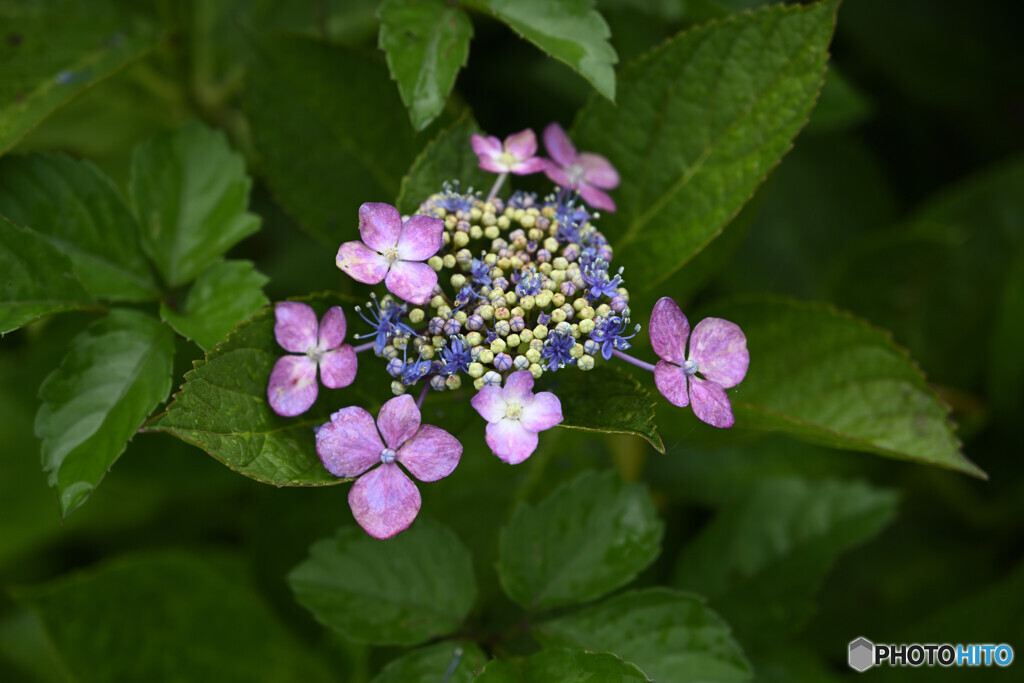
(590, 174)
(515, 415)
(518, 154)
(718, 351)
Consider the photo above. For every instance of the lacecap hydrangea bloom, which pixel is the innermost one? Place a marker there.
(491, 295)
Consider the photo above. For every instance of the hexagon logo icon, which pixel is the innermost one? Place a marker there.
(862, 654)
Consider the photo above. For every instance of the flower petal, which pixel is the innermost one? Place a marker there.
(490, 403)
(361, 263)
(338, 367)
(710, 403)
(598, 171)
(379, 225)
(492, 165)
(292, 388)
(519, 387)
(720, 349)
(668, 331)
(295, 326)
(332, 329)
(485, 146)
(431, 454)
(398, 420)
(384, 501)
(412, 281)
(349, 444)
(543, 413)
(597, 198)
(522, 145)
(534, 165)
(556, 173)
(510, 441)
(559, 145)
(671, 382)
(420, 239)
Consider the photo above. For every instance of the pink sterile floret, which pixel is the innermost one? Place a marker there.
(518, 154)
(583, 171)
(293, 387)
(393, 252)
(718, 351)
(385, 501)
(515, 414)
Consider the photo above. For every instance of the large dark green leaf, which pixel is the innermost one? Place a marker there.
(448, 157)
(79, 210)
(564, 666)
(672, 636)
(117, 371)
(403, 591)
(591, 536)
(700, 122)
(54, 51)
(426, 42)
(760, 562)
(190, 192)
(329, 136)
(164, 617)
(827, 377)
(432, 663)
(607, 400)
(571, 31)
(227, 292)
(36, 279)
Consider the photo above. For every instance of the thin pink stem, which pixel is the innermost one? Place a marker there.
(497, 186)
(363, 347)
(423, 396)
(635, 361)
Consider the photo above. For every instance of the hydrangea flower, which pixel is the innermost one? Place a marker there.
(515, 415)
(518, 154)
(391, 251)
(718, 351)
(384, 500)
(293, 387)
(585, 172)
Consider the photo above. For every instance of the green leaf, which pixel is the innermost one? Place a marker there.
(700, 122)
(564, 666)
(53, 52)
(190, 192)
(571, 31)
(79, 210)
(672, 636)
(448, 157)
(824, 376)
(426, 43)
(841, 105)
(591, 536)
(760, 562)
(403, 591)
(430, 664)
(116, 372)
(163, 617)
(36, 279)
(329, 135)
(607, 400)
(222, 408)
(227, 292)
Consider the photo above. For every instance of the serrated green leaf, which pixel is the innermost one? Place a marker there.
(167, 616)
(607, 400)
(190, 191)
(447, 157)
(824, 376)
(222, 407)
(227, 292)
(671, 635)
(432, 663)
(564, 666)
(591, 536)
(571, 31)
(36, 279)
(760, 563)
(116, 372)
(700, 122)
(406, 590)
(72, 204)
(329, 135)
(426, 43)
(53, 52)
(840, 106)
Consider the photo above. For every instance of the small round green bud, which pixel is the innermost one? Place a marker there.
(476, 232)
(587, 312)
(551, 244)
(416, 316)
(498, 346)
(457, 280)
(475, 370)
(453, 382)
(428, 351)
(488, 217)
(435, 262)
(517, 311)
(521, 362)
(543, 299)
(557, 276)
(575, 331)
(438, 341)
(540, 332)
(460, 239)
(528, 221)
(449, 260)
(491, 231)
(464, 257)
(537, 345)
(397, 388)
(486, 312)
(486, 356)
(623, 292)
(502, 313)
(576, 351)
(563, 328)
(475, 213)
(545, 268)
(516, 262)
(526, 302)
(504, 263)
(504, 222)
(512, 340)
(532, 355)
(510, 298)
(586, 326)
(389, 352)
(558, 299)
(450, 221)
(534, 234)
(447, 238)
(536, 370)
(603, 310)
(474, 338)
(585, 363)
(460, 316)
(478, 383)
(444, 311)
(560, 262)
(558, 315)
(490, 259)
(400, 342)
(526, 336)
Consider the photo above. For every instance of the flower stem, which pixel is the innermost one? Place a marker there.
(423, 396)
(363, 347)
(497, 186)
(635, 361)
